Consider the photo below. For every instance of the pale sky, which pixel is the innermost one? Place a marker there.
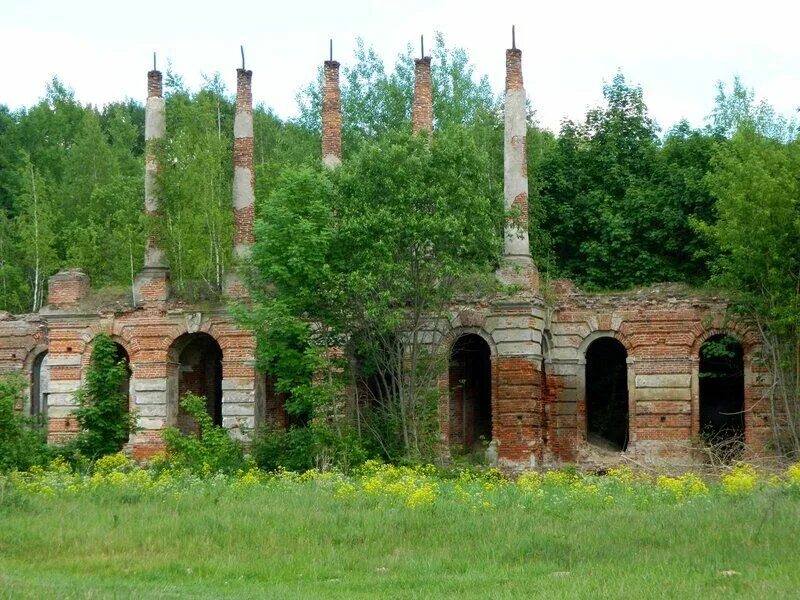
(675, 50)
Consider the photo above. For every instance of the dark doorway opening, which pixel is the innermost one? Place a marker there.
(40, 382)
(470, 382)
(124, 385)
(607, 394)
(721, 390)
(199, 372)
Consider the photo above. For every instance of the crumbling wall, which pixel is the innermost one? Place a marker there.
(147, 334)
(662, 329)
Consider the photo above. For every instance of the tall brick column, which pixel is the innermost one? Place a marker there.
(152, 283)
(243, 172)
(155, 127)
(331, 116)
(422, 110)
(519, 267)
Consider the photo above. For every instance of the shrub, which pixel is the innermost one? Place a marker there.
(793, 476)
(210, 450)
(102, 413)
(22, 442)
(742, 480)
(301, 448)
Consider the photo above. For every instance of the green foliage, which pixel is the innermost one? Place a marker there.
(737, 108)
(755, 180)
(102, 411)
(22, 441)
(366, 253)
(615, 204)
(211, 450)
(316, 446)
(197, 223)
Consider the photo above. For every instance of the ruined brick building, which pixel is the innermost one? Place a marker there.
(549, 375)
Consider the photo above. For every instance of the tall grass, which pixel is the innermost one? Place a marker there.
(320, 536)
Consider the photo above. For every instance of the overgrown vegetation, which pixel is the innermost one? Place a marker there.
(316, 446)
(22, 442)
(210, 450)
(103, 413)
(756, 181)
(396, 532)
(363, 257)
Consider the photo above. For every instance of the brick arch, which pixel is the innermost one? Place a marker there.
(581, 422)
(447, 344)
(596, 334)
(451, 337)
(89, 336)
(206, 326)
(32, 353)
(177, 344)
(744, 337)
(27, 370)
(547, 343)
(213, 387)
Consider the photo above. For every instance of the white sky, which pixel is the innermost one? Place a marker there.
(676, 50)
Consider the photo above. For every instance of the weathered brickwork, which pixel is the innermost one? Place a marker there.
(331, 115)
(662, 329)
(518, 267)
(154, 84)
(152, 338)
(422, 110)
(155, 130)
(514, 69)
(67, 288)
(244, 171)
(539, 373)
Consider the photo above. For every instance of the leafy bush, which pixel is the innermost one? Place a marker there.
(317, 446)
(211, 450)
(103, 414)
(742, 480)
(22, 442)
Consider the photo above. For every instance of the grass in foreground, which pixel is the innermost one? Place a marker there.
(476, 536)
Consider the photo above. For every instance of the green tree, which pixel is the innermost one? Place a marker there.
(10, 159)
(366, 256)
(102, 411)
(47, 132)
(756, 184)
(197, 185)
(14, 290)
(738, 107)
(616, 205)
(36, 227)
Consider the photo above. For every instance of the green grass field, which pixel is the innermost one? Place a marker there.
(300, 540)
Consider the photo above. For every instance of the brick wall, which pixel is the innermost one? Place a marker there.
(662, 329)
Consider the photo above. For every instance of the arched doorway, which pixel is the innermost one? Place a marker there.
(40, 384)
(470, 384)
(197, 364)
(607, 394)
(124, 385)
(721, 390)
